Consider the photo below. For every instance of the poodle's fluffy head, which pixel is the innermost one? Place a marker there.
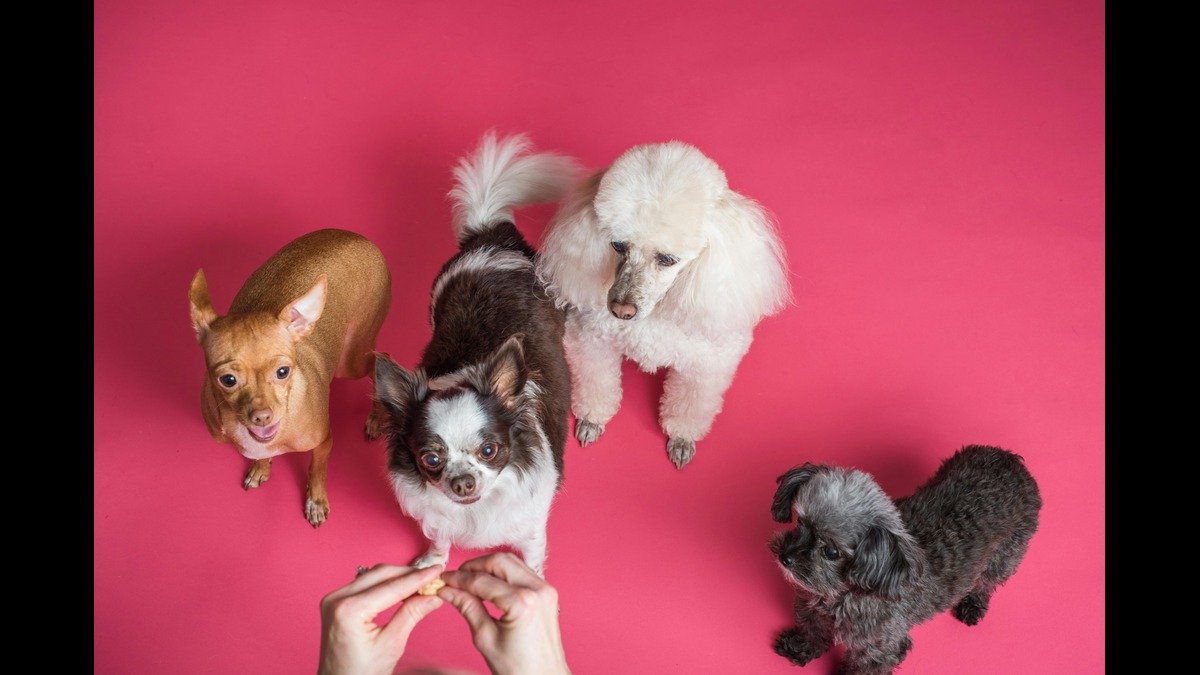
(652, 204)
(660, 233)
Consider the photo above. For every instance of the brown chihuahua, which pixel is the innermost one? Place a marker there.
(309, 314)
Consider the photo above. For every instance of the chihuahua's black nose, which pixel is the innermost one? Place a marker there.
(622, 310)
(463, 486)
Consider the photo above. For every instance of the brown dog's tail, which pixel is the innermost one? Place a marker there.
(502, 174)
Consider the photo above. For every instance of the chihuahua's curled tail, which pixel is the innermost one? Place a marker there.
(501, 175)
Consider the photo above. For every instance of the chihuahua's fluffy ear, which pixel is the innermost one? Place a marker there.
(202, 309)
(302, 313)
(789, 485)
(397, 388)
(576, 262)
(740, 276)
(504, 373)
(886, 561)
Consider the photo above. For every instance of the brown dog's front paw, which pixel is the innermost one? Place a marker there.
(316, 511)
(258, 474)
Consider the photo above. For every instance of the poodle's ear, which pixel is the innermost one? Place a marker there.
(741, 276)
(789, 485)
(398, 389)
(886, 561)
(576, 262)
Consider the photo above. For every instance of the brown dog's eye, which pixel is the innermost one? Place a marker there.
(830, 552)
(431, 460)
(282, 372)
(227, 381)
(488, 450)
(665, 260)
(620, 247)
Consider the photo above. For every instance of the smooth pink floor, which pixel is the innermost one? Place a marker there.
(937, 172)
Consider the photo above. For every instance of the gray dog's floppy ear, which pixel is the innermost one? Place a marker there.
(396, 387)
(885, 562)
(789, 484)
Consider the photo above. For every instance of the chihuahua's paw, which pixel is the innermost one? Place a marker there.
(587, 432)
(258, 474)
(791, 645)
(430, 559)
(316, 511)
(681, 451)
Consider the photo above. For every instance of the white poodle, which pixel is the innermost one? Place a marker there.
(657, 260)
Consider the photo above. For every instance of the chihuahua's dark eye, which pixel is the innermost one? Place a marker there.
(488, 450)
(431, 460)
(830, 552)
(621, 247)
(665, 260)
(282, 372)
(227, 381)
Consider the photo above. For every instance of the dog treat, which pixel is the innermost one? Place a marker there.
(431, 588)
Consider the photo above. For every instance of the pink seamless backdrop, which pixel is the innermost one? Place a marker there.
(936, 169)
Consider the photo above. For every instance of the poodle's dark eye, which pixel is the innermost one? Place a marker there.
(431, 460)
(282, 372)
(227, 381)
(830, 552)
(488, 450)
(620, 247)
(665, 260)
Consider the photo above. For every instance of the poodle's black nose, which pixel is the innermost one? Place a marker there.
(623, 311)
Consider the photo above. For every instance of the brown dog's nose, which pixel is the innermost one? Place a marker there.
(623, 311)
(261, 417)
(463, 486)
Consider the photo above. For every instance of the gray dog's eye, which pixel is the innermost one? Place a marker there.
(830, 552)
(665, 260)
(620, 247)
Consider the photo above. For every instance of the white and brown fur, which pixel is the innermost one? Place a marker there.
(657, 260)
(476, 432)
(309, 314)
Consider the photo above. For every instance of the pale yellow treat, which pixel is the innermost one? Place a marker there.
(431, 588)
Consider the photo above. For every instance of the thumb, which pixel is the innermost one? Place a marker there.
(483, 629)
(396, 633)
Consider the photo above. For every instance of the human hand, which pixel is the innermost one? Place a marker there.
(351, 641)
(525, 639)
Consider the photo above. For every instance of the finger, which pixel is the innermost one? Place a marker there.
(388, 592)
(483, 628)
(505, 566)
(483, 586)
(395, 633)
(371, 577)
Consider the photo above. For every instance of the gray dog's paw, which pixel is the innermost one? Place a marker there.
(681, 451)
(587, 432)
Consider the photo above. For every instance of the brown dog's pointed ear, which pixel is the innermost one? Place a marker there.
(302, 313)
(789, 485)
(397, 388)
(505, 371)
(202, 309)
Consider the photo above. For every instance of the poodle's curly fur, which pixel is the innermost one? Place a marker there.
(660, 238)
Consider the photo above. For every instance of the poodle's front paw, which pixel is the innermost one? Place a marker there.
(791, 645)
(258, 474)
(681, 451)
(970, 609)
(587, 432)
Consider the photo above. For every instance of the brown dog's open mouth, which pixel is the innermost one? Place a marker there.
(263, 434)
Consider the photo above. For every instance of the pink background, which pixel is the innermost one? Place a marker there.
(937, 172)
